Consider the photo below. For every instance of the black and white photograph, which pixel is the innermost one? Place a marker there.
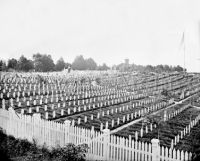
(99, 80)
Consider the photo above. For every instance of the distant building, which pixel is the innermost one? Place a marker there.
(126, 61)
(124, 66)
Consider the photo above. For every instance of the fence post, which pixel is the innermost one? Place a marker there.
(106, 144)
(67, 131)
(155, 150)
(36, 121)
(13, 120)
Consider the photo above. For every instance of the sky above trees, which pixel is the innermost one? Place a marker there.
(146, 32)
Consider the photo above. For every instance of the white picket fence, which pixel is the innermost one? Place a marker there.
(102, 145)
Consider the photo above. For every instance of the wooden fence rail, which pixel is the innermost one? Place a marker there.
(102, 145)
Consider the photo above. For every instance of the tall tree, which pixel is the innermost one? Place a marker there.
(24, 64)
(91, 64)
(2, 65)
(37, 61)
(159, 68)
(60, 64)
(149, 68)
(178, 68)
(167, 68)
(43, 63)
(79, 63)
(12, 63)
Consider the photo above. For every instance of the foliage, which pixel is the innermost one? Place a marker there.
(91, 64)
(69, 152)
(60, 64)
(18, 150)
(43, 63)
(12, 63)
(103, 67)
(150, 68)
(24, 64)
(79, 63)
(165, 92)
(2, 65)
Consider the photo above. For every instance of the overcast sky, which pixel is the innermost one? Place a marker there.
(145, 31)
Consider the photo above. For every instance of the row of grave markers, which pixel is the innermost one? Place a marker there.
(184, 132)
(126, 117)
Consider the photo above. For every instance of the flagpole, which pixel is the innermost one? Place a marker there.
(182, 44)
(184, 51)
(184, 55)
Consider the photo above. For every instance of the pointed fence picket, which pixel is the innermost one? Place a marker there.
(102, 145)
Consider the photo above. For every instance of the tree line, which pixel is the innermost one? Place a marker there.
(149, 68)
(80, 63)
(45, 63)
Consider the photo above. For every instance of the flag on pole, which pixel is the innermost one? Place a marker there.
(182, 46)
(182, 40)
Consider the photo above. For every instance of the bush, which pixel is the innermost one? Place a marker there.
(19, 150)
(70, 152)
